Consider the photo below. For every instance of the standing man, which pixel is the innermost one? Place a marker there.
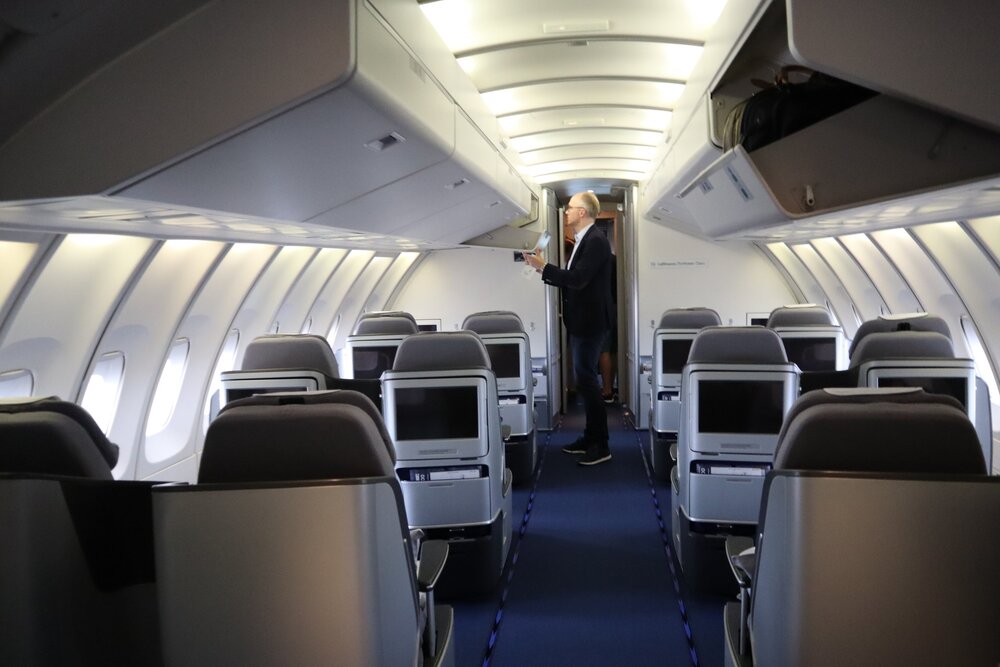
(588, 313)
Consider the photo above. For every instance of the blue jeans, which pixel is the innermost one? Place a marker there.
(586, 351)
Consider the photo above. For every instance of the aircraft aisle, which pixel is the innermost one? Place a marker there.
(589, 581)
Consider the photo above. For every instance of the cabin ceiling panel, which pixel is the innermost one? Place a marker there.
(595, 118)
(591, 163)
(596, 135)
(468, 25)
(799, 274)
(600, 181)
(581, 59)
(580, 151)
(583, 92)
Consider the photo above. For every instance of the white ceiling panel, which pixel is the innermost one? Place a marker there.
(482, 24)
(570, 117)
(602, 92)
(581, 59)
(592, 151)
(600, 135)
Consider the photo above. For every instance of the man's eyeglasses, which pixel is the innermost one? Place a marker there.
(569, 207)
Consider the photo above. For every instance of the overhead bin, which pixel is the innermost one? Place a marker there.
(299, 111)
(880, 149)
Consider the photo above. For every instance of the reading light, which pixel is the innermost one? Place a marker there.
(387, 141)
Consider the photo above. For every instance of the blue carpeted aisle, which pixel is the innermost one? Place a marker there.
(591, 583)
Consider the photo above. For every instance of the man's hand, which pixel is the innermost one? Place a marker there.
(535, 260)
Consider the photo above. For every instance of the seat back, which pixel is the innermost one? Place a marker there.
(53, 437)
(812, 341)
(671, 346)
(371, 349)
(77, 582)
(876, 510)
(297, 549)
(510, 358)
(922, 359)
(900, 322)
(737, 387)
(442, 411)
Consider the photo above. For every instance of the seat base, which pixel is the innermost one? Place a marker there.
(444, 649)
(521, 456)
(703, 555)
(475, 559)
(731, 629)
(659, 453)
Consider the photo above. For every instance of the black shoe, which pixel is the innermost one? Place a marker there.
(578, 446)
(595, 456)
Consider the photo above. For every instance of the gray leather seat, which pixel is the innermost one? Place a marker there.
(77, 581)
(904, 322)
(812, 341)
(736, 388)
(442, 411)
(510, 354)
(805, 315)
(874, 511)
(671, 344)
(284, 351)
(293, 548)
(371, 349)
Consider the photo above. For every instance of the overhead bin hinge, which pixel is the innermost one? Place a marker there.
(387, 141)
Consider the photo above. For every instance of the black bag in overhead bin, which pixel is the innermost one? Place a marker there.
(786, 106)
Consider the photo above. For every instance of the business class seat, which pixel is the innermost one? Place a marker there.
(671, 344)
(510, 357)
(813, 342)
(442, 411)
(371, 349)
(77, 581)
(901, 322)
(293, 547)
(290, 362)
(737, 386)
(913, 358)
(876, 538)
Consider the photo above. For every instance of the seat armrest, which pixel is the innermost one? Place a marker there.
(742, 557)
(433, 555)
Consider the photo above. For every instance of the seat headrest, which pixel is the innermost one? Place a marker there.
(902, 345)
(689, 318)
(799, 316)
(440, 351)
(907, 322)
(283, 351)
(257, 441)
(50, 436)
(333, 396)
(493, 322)
(737, 345)
(386, 325)
(878, 430)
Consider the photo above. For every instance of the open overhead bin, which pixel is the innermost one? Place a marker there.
(907, 140)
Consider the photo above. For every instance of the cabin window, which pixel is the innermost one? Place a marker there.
(100, 398)
(225, 362)
(984, 367)
(168, 389)
(18, 383)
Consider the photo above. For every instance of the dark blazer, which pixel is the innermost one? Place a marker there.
(588, 308)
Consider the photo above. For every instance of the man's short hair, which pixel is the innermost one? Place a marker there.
(590, 202)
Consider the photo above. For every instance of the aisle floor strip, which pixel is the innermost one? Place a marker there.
(668, 547)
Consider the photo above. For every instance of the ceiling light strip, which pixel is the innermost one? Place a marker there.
(576, 37)
(595, 143)
(594, 128)
(578, 79)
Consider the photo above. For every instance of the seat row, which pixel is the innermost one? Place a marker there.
(293, 547)
(722, 407)
(458, 407)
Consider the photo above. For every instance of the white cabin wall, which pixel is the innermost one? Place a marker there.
(677, 270)
(451, 284)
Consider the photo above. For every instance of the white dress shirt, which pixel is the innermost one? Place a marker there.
(579, 237)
